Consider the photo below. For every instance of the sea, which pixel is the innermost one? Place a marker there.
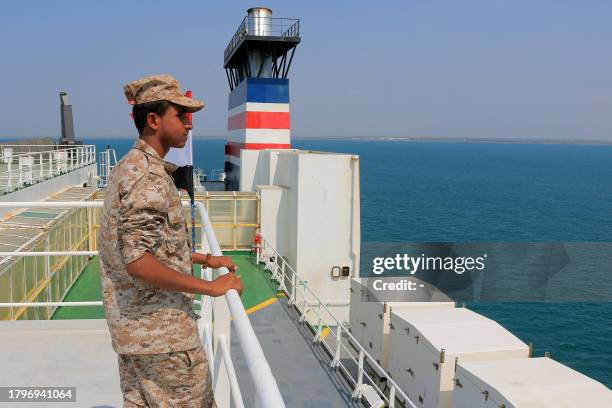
(416, 191)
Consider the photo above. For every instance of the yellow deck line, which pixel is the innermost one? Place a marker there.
(324, 333)
(261, 305)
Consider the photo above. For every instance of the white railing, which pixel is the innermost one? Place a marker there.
(266, 389)
(108, 160)
(319, 312)
(40, 162)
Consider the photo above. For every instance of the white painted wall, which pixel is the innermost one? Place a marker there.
(274, 216)
(316, 206)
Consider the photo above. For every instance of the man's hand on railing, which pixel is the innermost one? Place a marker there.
(223, 283)
(148, 269)
(214, 262)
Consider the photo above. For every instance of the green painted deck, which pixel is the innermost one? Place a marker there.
(257, 288)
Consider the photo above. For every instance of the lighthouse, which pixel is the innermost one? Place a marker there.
(257, 61)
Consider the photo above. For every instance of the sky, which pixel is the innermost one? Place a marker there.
(526, 69)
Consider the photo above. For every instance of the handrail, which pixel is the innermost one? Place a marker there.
(24, 168)
(49, 253)
(86, 149)
(266, 389)
(363, 354)
(2, 146)
(51, 304)
(231, 373)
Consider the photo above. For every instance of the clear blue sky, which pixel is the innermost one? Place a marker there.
(535, 69)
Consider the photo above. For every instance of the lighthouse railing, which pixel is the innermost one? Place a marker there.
(263, 27)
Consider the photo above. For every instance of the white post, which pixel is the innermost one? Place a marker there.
(20, 167)
(50, 164)
(317, 337)
(40, 162)
(357, 391)
(336, 361)
(282, 287)
(10, 175)
(107, 169)
(291, 301)
(236, 394)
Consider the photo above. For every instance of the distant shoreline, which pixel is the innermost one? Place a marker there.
(381, 139)
(465, 140)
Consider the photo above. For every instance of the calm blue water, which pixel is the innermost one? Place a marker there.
(428, 192)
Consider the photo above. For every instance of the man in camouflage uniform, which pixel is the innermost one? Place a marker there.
(146, 260)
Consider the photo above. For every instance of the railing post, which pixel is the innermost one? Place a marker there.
(231, 373)
(357, 391)
(291, 301)
(336, 361)
(305, 308)
(282, 288)
(50, 164)
(41, 175)
(275, 274)
(9, 184)
(90, 227)
(20, 166)
(317, 337)
(392, 397)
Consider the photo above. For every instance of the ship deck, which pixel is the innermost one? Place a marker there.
(73, 349)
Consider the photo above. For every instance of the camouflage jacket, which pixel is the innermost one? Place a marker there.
(142, 213)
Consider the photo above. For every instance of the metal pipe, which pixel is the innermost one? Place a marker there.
(231, 373)
(206, 339)
(50, 253)
(266, 387)
(43, 304)
(52, 204)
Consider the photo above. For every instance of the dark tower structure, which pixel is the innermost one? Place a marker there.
(67, 122)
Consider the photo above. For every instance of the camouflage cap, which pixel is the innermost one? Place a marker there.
(159, 88)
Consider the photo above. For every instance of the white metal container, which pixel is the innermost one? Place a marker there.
(369, 320)
(526, 382)
(312, 219)
(425, 346)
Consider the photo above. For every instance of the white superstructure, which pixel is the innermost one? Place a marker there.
(526, 383)
(426, 345)
(370, 319)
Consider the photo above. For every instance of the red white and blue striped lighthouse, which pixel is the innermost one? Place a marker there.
(257, 61)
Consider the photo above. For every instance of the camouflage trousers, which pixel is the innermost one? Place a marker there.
(179, 379)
